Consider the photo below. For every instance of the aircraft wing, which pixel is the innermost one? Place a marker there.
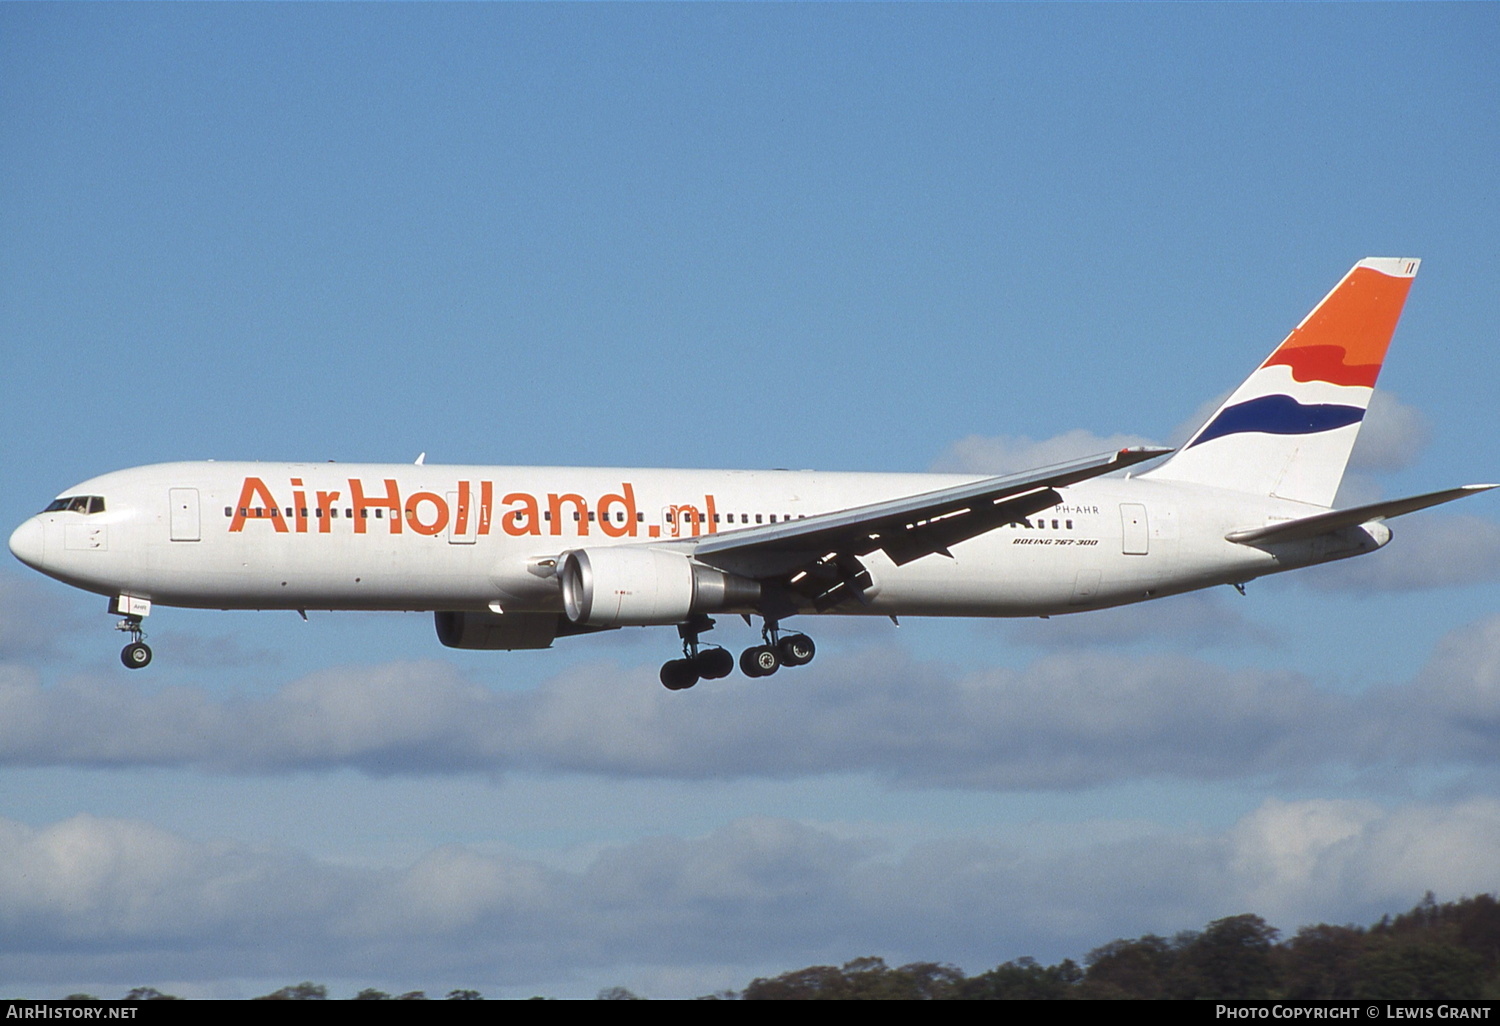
(821, 552)
(1325, 523)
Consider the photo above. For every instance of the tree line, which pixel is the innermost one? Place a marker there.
(1448, 951)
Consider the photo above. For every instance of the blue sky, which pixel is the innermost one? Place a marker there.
(847, 237)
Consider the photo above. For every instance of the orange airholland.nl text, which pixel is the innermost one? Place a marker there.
(429, 513)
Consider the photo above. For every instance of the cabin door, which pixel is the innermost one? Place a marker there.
(183, 520)
(1135, 533)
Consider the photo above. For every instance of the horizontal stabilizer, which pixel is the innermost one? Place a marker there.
(1324, 523)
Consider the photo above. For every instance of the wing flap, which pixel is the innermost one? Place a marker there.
(907, 528)
(938, 534)
(1325, 523)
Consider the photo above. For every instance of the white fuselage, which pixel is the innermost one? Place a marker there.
(418, 537)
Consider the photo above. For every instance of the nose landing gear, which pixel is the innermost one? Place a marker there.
(137, 654)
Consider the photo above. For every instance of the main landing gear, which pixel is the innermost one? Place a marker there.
(695, 664)
(778, 651)
(713, 663)
(137, 654)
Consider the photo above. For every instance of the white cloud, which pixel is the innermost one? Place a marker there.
(1067, 720)
(1455, 701)
(32, 616)
(90, 898)
(1201, 617)
(1185, 429)
(1391, 436)
(1427, 550)
(1003, 454)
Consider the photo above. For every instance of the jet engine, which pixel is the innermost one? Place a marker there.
(631, 586)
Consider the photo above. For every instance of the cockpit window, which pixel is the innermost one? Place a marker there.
(76, 504)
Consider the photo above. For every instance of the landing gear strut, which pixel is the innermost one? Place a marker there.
(695, 664)
(137, 654)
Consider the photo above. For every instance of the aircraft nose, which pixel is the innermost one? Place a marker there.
(26, 543)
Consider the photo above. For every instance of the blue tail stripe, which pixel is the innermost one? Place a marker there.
(1279, 415)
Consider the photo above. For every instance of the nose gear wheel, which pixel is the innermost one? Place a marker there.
(137, 654)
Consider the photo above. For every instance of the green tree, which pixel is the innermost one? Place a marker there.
(149, 994)
(1130, 969)
(1321, 963)
(1024, 980)
(1231, 959)
(618, 994)
(304, 991)
(930, 981)
(1418, 969)
(810, 984)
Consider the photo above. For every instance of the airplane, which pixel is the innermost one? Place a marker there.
(513, 558)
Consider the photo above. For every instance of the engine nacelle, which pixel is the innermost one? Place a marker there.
(631, 586)
(508, 631)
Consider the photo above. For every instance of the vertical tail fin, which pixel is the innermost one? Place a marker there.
(1289, 429)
